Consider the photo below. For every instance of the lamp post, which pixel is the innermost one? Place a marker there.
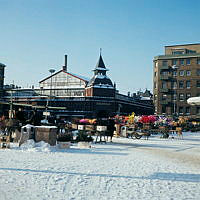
(51, 71)
(174, 68)
(50, 93)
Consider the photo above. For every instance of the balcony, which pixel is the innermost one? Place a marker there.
(164, 102)
(164, 77)
(164, 67)
(164, 90)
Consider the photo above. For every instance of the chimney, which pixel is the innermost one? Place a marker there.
(65, 66)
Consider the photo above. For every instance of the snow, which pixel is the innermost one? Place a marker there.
(101, 76)
(125, 169)
(103, 86)
(194, 101)
(145, 98)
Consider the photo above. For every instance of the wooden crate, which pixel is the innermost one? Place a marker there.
(74, 126)
(46, 134)
(101, 128)
(89, 127)
(178, 129)
(4, 141)
(81, 127)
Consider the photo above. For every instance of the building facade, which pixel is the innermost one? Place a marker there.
(2, 67)
(176, 77)
(65, 94)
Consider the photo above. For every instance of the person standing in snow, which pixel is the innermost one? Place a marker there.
(111, 128)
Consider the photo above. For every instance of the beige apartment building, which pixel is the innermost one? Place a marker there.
(176, 78)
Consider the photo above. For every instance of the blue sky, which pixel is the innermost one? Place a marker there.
(36, 34)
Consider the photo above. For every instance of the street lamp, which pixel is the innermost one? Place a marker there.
(50, 93)
(174, 68)
(51, 71)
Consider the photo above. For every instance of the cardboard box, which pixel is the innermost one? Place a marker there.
(101, 128)
(74, 126)
(81, 127)
(89, 127)
(46, 134)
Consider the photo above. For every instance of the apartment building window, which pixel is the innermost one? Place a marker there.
(164, 97)
(180, 110)
(188, 73)
(181, 73)
(182, 62)
(198, 84)
(177, 52)
(198, 111)
(188, 61)
(174, 62)
(188, 84)
(155, 74)
(181, 97)
(187, 110)
(188, 95)
(164, 73)
(174, 73)
(198, 61)
(174, 84)
(164, 62)
(174, 97)
(181, 84)
(164, 85)
(163, 109)
(188, 51)
(198, 72)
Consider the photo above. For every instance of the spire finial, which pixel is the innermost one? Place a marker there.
(100, 51)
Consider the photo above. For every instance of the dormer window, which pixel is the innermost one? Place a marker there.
(177, 52)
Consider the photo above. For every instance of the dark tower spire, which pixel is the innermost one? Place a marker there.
(100, 63)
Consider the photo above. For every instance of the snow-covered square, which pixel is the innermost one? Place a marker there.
(125, 169)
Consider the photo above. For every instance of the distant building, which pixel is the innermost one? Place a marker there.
(146, 94)
(81, 96)
(177, 78)
(2, 67)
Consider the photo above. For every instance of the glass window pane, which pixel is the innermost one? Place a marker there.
(188, 61)
(181, 61)
(188, 73)
(181, 73)
(187, 84)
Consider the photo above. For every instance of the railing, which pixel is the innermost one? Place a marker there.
(164, 102)
(164, 67)
(164, 77)
(165, 90)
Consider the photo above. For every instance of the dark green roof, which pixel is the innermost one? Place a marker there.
(100, 63)
(2, 65)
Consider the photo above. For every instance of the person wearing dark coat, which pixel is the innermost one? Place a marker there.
(111, 128)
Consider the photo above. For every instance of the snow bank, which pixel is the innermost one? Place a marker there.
(154, 169)
(30, 145)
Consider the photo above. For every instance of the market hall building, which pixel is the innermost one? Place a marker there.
(80, 96)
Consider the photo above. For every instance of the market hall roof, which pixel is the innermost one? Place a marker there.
(100, 79)
(71, 74)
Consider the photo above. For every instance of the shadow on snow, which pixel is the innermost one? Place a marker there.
(155, 176)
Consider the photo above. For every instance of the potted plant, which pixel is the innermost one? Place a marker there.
(64, 140)
(83, 139)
